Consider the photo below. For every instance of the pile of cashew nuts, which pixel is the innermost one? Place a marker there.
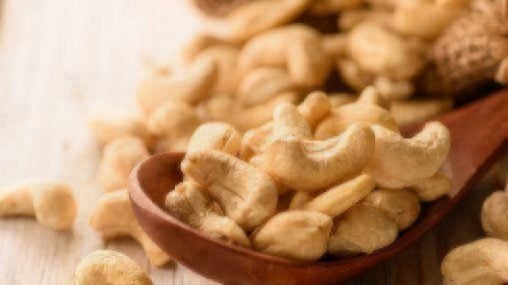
(273, 163)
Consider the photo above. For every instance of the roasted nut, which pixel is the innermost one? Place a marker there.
(106, 128)
(225, 109)
(262, 84)
(337, 199)
(342, 117)
(432, 188)
(192, 205)
(495, 215)
(225, 59)
(417, 110)
(305, 59)
(173, 124)
(362, 229)
(400, 205)
(308, 165)
(398, 162)
(246, 194)
(191, 85)
(120, 156)
(484, 261)
(258, 16)
(216, 136)
(112, 217)
(109, 267)
(353, 75)
(51, 203)
(373, 48)
(299, 235)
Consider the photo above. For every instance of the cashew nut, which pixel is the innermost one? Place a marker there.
(112, 217)
(335, 200)
(246, 194)
(109, 267)
(107, 128)
(381, 52)
(398, 162)
(299, 235)
(432, 188)
(341, 98)
(173, 124)
(307, 165)
(306, 60)
(326, 7)
(192, 205)
(51, 203)
(256, 17)
(342, 117)
(392, 90)
(352, 75)
(362, 229)
(197, 44)
(350, 18)
(371, 96)
(225, 59)
(494, 215)
(262, 84)
(119, 157)
(216, 136)
(417, 110)
(191, 85)
(484, 261)
(401, 205)
(335, 45)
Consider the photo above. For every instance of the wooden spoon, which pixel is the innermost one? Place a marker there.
(479, 134)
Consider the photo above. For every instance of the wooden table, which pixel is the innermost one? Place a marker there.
(61, 60)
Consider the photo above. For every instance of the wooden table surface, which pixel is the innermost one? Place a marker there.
(60, 61)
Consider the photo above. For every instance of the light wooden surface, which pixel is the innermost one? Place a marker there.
(61, 60)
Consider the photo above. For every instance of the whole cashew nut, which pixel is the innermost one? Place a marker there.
(362, 229)
(119, 157)
(432, 188)
(246, 194)
(480, 262)
(225, 59)
(192, 205)
(307, 165)
(51, 203)
(494, 215)
(299, 235)
(398, 162)
(306, 60)
(416, 110)
(353, 76)
(112, 217)
(216, 136)
(109, 267)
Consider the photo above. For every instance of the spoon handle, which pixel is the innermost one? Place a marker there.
(479, 135)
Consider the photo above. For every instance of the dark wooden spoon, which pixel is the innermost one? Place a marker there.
(479, 134)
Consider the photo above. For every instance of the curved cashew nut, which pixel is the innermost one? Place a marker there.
(51, 203)
(246, 194)
(306, 60)
(262, 84)
(432, 188)
(191, 85)
(308, 165)
(299, 235)
(120, 156)
(342, 117)
(362, 229)
(107, 128)
(256, 17)
(335, 200)
(371, 96)
(480, 262)
(494, 215)
(216, 136)
(109, 267)
(400, 205)
(112, 217)
(173, 124)
(225, 59)
(418, 110)
(193, 206)
(398, 162)
(372, 46)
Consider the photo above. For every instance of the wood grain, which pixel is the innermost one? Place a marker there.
(60, 60)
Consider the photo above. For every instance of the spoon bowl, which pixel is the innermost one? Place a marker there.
(479, 136)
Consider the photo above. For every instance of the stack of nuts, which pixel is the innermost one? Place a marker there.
(340, 180)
